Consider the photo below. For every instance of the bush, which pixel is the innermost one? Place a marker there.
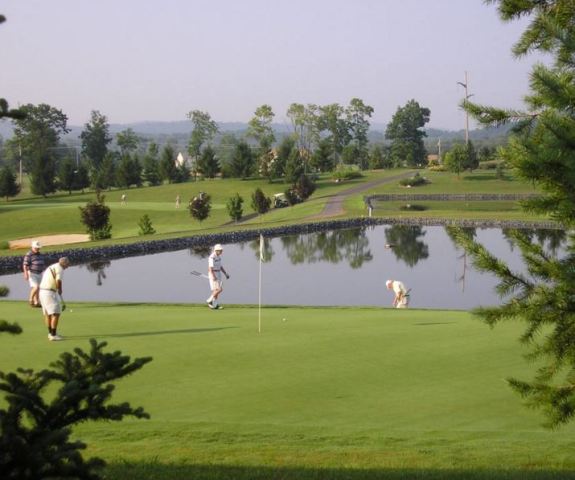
(260, 203)
(4, 245)
(200, 206)
(413, 208)
(4, 291)
(346, 172)
(235, 208)
(145, 225)
(491, 164)
(96, 217)
(415, 181)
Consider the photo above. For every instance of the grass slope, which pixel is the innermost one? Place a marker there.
(28, 216)
(327, 393)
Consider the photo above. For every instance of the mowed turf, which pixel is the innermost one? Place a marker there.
(319, 393)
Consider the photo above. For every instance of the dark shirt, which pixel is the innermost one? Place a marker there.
(34, 261)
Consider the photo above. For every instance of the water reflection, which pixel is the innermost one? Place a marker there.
(340, 267)
(99, 268)
(335, 246)
(405, 243)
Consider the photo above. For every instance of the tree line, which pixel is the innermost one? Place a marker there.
(321, 138)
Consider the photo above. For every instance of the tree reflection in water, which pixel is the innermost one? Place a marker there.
(551, 239)
(351, 245)
(471, 233)
(405, 244)
(99, 268)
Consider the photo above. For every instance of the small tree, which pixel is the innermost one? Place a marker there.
(200, 207)
(235, 208)
(260, 203)
(96, 218)
(145, 225)
(304, 187)
(40, 409)
(8, 186)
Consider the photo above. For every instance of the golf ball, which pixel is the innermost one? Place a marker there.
(71, 310)
(283, 319)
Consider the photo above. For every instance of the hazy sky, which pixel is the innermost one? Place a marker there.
(137, 60)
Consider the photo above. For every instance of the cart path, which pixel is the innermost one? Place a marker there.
(334, 205)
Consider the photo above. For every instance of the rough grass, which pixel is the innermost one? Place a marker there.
(327, 393)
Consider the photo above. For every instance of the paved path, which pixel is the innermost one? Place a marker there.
(334, 205)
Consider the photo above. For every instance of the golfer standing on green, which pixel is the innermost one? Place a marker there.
(51, 296)
(215, 269)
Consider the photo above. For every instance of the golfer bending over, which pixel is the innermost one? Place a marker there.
(215, 270)
(401, 298)
(51, 296)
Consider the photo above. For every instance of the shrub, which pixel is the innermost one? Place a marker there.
(234, 207)
(96, 217)
(415, 181)
(4, 245)
(346, 172)
(260, 203)
(413, 208)
(200, 206)
(145, 225)
(4, 291)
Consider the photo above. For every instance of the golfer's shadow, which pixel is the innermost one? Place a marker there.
(147, 334)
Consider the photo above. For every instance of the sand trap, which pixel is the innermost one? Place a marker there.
(50, 240)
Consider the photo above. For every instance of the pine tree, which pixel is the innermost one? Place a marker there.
(41, 407)
(260, 203)
(541, 150)
(200, 207)
(234, 207)
(8, 186)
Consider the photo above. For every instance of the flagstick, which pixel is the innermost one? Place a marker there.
(260, 287)
(260, 300)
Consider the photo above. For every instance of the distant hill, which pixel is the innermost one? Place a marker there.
(184, 128)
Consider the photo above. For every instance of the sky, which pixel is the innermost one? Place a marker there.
(157, 60)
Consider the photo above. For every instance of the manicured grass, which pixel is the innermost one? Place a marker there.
(327, 393)
(28, 216)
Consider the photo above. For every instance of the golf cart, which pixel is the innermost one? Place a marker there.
(280, 200)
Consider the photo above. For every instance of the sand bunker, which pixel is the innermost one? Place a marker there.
(46, 240)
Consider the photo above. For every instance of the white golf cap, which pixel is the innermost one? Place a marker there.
(36, 244)
(218, 247)
(388, 283)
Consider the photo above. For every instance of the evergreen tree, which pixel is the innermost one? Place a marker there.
(200, 207)
(260, 203)
(41, 407)
(81, 178)
(541, 151)
(295, 167)
(243, 162)
(208, 164)
(168, 168)
(322, 158)
(235, 208)
(145, 225)
(151, 166)
(43, 175)
(67, 175)
(8, 185)
(284, 150)
(96, 217)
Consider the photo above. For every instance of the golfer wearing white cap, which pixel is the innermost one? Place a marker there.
(215, 270)
(401, 298)
(33, 266)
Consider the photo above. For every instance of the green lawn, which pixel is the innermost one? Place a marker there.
(29, 216)
(327, 393)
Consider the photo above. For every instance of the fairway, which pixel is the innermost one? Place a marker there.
(343, 388)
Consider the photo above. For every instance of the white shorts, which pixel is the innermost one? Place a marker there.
(34, 279)
(51, 302)
(216, 284)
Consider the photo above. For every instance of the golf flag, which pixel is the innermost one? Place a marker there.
(261, 247)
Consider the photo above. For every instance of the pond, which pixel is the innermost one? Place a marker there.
(335, 268)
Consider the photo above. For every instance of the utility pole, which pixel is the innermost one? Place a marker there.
(20, 161)
(467, 96)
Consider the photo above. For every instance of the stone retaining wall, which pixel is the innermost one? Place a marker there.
(86, 255)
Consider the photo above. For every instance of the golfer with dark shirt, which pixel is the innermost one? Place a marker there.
(33, 266)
